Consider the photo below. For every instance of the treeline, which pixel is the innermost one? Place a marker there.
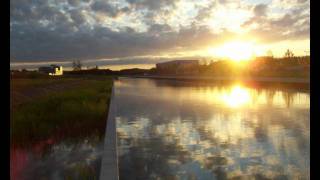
(134, 71)
(261, 66)
(290, 66)
(36, 74)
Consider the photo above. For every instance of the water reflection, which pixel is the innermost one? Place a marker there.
(237, 97)
(58, 158)
(178, 131)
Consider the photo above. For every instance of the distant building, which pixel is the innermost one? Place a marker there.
(177, 65)
(52, 70)
(265, 58)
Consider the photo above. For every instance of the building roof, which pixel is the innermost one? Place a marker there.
(50, 68)
(179, 61)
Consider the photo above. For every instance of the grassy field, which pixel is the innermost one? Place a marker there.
(57, 106)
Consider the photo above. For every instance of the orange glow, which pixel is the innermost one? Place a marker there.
(236, 51)
(238, 96)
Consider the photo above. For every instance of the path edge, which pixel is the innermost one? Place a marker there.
(109, 165)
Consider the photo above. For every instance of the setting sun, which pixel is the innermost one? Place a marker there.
(236, 51)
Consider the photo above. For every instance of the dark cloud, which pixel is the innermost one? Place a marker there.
(205, 12)
(78, 17)
(102, 42)
(153, 5)
(106, 8)
(159, 28)
(74, 2)
(153, 8)
(223, 1)
(302, 1)
(286, 21)
(286, 27)
(260, 10)
(51, 32)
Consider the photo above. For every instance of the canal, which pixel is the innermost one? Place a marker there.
(181, 130)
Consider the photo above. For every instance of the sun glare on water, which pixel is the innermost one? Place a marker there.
(238, 96)
(236, 51)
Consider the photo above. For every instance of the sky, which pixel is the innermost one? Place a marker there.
(144, 31)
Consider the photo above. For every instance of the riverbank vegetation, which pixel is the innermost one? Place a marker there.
(296, 67)
(43, 107)
(266, 66)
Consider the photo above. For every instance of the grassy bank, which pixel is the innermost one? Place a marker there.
(58, 106)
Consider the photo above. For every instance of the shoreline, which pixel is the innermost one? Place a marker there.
(109, 163)
(220, 78)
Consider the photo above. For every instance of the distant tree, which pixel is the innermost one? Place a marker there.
(269, 53)
(203, 61)
(77, 65)
(288, 54)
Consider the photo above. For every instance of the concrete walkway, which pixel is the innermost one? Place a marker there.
(109, 165)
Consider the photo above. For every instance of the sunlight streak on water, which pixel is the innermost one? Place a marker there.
(180, 130)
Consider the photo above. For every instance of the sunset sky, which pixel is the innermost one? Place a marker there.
(64, 30)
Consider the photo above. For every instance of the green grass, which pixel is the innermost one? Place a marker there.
(73, 112)
(81, 171)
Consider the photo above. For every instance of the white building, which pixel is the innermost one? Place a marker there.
(177, 64)
(52, 70)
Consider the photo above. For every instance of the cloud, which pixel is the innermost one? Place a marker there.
(102, 42)
(85, 29)
(292, 25)
(205, 12)
(153, 5)
(153, 10)
(78, 17)
(74, 3)
(260, 9)
(159, 28)
(108, 9)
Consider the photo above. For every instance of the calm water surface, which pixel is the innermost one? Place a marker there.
(175, 130)
(67, 157)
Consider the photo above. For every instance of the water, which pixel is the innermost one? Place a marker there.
(65, 157)
(176, 130)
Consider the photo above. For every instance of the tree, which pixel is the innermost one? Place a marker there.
(288, 54)
(77, 65)
(269, 53)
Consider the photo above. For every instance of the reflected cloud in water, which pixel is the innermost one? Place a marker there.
(178, 131)
(63, 159)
